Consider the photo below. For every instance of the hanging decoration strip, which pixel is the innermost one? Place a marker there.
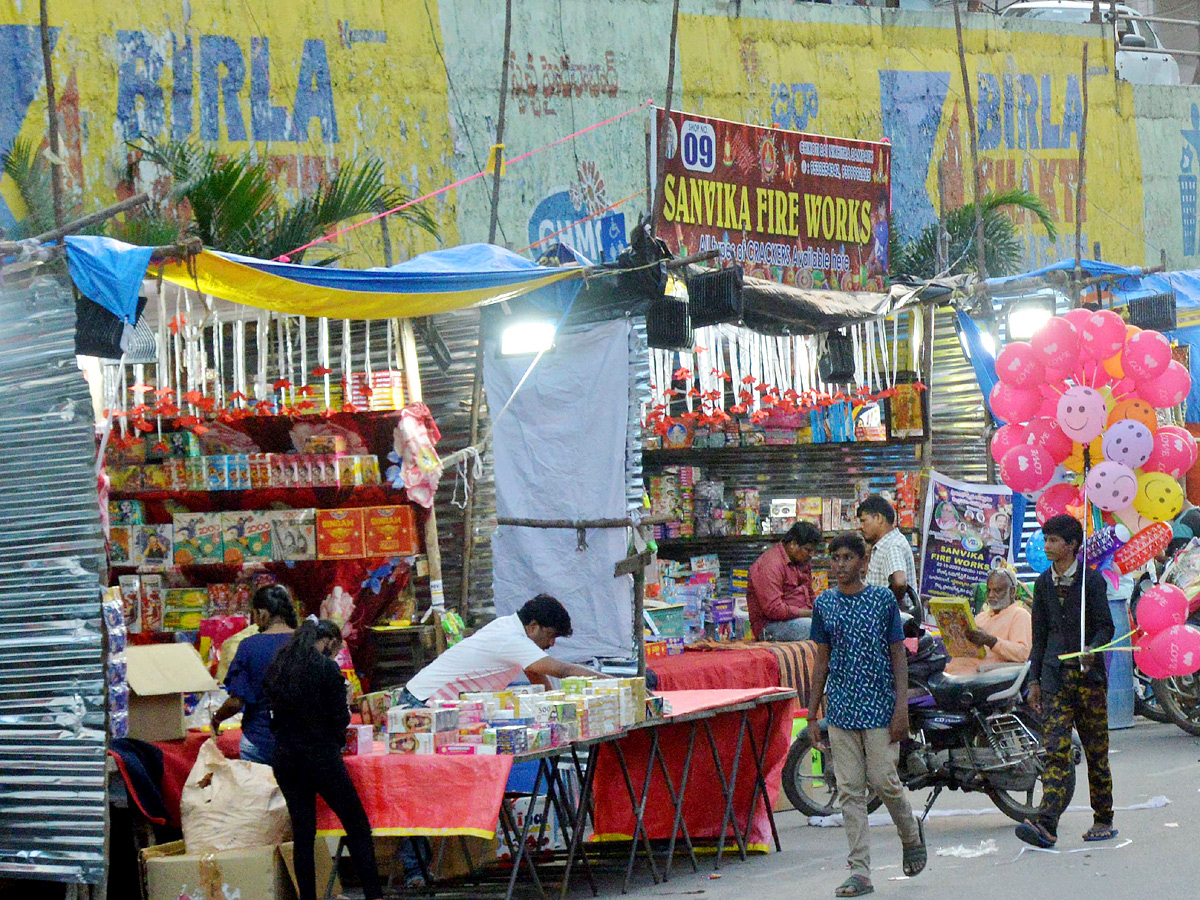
(733, 372)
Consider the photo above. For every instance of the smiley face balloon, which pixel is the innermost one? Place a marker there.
(1082, 413)
(1128, 442)
(1136, 409)
(1111, 486)
(1159, 496)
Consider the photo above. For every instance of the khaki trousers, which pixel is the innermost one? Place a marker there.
(865, 762)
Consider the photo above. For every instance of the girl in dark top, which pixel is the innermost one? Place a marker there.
(307, 696)
(275, 615)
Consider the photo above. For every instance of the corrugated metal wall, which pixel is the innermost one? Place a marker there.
(52, 716)
(959, 447)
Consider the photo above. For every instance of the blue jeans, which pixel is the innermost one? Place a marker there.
(250, 753)
(788, 630)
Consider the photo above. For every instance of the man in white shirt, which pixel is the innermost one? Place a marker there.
(892, 564)
(499, 652)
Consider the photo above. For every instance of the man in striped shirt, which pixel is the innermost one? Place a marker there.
(499, 652)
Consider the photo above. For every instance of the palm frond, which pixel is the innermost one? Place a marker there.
(30, 172)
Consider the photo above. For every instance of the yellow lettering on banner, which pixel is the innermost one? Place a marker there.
(779, 225)
(711, 215)
(682, 213)
(669, 198)
(729, 197)
(827, 218)
(744, 217)
(840, 228)
(865, 212)
(793, 226)
(696, 200)
(812, 215)
(762, 199)
(852, 223)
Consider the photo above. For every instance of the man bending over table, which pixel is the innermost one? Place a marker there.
(499, 652)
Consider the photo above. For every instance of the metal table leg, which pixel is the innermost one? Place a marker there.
(523, 839)
(759, 755)
(730, 818)
(579, 822)
(677, 802)
(337, 858)
(639, 810)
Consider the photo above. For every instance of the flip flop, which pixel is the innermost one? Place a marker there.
(916, 856)
(1035, 834)
(1100, 833)
(855, 886)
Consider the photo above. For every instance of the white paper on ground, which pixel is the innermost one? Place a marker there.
(962, 851)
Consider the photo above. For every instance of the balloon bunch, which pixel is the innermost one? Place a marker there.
(1083, 436)
(1164, 645)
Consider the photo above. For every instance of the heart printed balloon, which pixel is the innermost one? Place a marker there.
(1018, 366)
(1128, 442)
(1160, 607)
(1008, 437)
(1177, 650)
(1045, 432)
(1169, 389)
(1171, 453)
(1026, 469)
(1146, 355)
(1103, 334)
(1013, 404)
(1056, 344)
(1055, 500)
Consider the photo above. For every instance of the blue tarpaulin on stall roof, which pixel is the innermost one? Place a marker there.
(1091, 269)
(108, 272)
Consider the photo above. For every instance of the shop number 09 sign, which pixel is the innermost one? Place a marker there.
(800, 209)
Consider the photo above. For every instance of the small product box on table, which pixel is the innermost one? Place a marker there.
(360, 740)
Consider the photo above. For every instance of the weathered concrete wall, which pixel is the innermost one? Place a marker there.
(417, 83)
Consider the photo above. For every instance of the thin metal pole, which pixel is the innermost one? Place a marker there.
(500, 123)
(980, 255)
(1081, 175)
(664, 129)
(52, 118)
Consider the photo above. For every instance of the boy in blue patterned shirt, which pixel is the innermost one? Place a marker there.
(861, 655)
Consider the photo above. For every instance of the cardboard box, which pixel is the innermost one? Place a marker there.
(159, 676)
(121, 545)
(287, 856)
(246, 536)
(198, 540)
(155, 544)
(169, 873)
(360, 740)
(389, 531)
(339, 533)
(294, 533)
(152, 603)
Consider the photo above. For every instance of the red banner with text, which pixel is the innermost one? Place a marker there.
(800, 209)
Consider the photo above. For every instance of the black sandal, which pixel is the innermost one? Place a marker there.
(1036, 834)
(1100, 832)
(916, 856)
(855, 886)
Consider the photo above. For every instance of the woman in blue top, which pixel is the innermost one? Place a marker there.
(275, 615)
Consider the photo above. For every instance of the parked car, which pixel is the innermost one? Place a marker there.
(1140, 58)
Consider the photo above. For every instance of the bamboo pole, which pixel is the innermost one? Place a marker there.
(980, 255)
(665, 128)
(1081, 177)
(56, 186)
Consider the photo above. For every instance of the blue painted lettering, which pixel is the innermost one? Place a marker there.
(139, 67)
(1051, 132)
(182, 71)
(267, 122)
(1072, 112)
(989, 115)
(314, 94)
(1027, 106)
(1010, 125)
(218, 52)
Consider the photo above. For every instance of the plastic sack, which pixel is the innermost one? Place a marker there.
(231, 804)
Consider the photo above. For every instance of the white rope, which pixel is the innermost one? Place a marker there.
(471, 463)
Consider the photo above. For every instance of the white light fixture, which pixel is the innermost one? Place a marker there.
(1026, 316)
(526, 338)
(987, 340)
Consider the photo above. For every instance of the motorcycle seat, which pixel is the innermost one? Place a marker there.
(996, 683)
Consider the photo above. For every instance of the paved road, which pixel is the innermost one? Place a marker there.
(1159, 863)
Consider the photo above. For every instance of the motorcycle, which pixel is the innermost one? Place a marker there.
(969, 733)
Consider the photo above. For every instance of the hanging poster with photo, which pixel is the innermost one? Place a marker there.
(967, 532)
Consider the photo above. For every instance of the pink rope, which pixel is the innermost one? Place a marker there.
(287, 257)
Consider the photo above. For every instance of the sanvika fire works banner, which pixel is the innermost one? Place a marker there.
(801, 209)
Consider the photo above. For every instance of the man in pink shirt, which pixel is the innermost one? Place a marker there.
(780, 596)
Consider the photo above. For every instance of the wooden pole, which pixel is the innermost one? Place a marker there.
(500, 122)
(1081, 177)
(665, 128)
(980, 254)
(56, 186)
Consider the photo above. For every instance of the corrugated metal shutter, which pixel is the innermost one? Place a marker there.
(959, 448)
(52, 717)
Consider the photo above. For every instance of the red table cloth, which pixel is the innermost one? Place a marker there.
(744, 667)
(426, 795)
(704, 806)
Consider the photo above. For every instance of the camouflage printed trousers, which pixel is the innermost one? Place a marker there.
(1084, 706)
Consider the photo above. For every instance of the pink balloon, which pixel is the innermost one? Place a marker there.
(1104, 334)
(1111, 486)
(1056, 344)
(1146, 355)
(1014, 405)
(1128, 442)
(1019, 366)
(1146, 662)
(1026, 469)
(1161, 607)
(1177, 649)
(1082, 413)
(1078, 317)
(1048, 408)
(1169, 389)
(1006, 438)
(1055, 500)
(1187, 438)
(1043, 431)
(1172, 454)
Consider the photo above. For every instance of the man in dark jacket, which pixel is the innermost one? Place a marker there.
(1074, 691)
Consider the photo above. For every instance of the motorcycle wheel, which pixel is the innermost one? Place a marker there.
(1145, 703)
(1179, 698)
(810, 783)
(1022, 805)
